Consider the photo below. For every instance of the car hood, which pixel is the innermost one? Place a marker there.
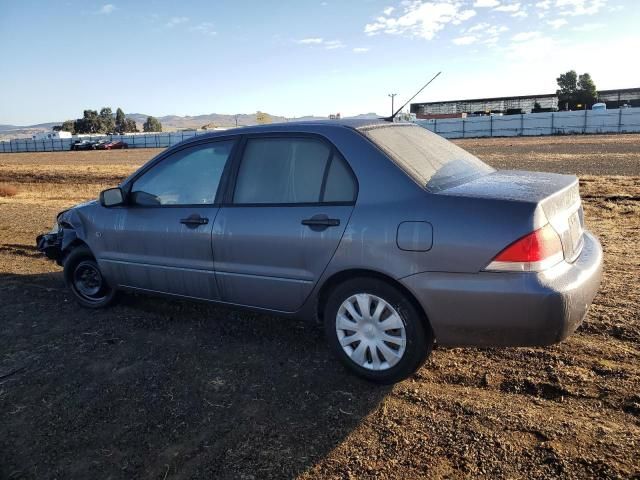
(88, 203)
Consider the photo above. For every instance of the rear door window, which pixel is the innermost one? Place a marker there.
(293, 170)
(340, 185)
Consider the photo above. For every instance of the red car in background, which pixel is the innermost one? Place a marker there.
(116, 145)
(113, 145)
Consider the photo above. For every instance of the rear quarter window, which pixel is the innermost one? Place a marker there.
(432, 161)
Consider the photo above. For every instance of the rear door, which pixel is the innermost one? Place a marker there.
(282, 220)
(161, 241)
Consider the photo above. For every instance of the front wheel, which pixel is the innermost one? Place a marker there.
(83, 277)
(376, 331)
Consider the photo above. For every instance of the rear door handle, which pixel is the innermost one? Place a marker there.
(320, 222)
(192, 221)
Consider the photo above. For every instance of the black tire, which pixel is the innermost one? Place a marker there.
(83, 277)
(419, 337)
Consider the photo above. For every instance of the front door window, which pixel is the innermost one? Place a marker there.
(188, 177)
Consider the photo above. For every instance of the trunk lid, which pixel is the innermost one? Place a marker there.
(556, 196)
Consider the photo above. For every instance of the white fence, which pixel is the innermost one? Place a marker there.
(553, 123)
(556, 123)
(139, 140)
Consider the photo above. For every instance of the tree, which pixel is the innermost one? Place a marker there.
(152, 125)
(120, 121)
(89, 123)
(107, 125)
(568, 83)
(67, 126)
(103, 122)
(124, 124)
(587, 93)
(130, 126)
(576, 90)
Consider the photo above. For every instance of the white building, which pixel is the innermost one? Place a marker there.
(53, 135)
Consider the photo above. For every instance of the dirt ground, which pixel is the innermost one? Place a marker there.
(163, 389)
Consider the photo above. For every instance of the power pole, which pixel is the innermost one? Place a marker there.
(392, 95)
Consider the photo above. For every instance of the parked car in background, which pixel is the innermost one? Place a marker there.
(391, 235)
(116, 145)
(83, 145)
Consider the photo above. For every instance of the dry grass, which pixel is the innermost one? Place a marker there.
(580, 155)
(7, 190)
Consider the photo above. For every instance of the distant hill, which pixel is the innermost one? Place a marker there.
(39, 126)
(7, 132)
(170, 122)
(175, 122)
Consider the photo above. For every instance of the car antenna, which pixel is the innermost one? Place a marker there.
(390, 119)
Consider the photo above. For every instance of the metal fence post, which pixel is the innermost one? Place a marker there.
(584, 130)
(463, 119)
(490, 125)
(521, 124)
(551, 133)
(435, 125)
(619, 119)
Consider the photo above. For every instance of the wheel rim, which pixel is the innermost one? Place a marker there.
(88, 282)
(371, 332)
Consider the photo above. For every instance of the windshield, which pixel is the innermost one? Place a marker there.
(429, 159)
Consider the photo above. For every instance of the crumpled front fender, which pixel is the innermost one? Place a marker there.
(55, 243)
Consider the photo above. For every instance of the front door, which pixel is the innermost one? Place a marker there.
(291, 203)
(161, 241)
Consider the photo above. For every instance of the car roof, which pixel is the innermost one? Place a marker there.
(294, 126)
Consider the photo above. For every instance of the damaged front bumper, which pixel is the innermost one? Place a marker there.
(56, 243)
(51, 244)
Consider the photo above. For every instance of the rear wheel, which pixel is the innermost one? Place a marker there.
(84, 279)
(375, 330)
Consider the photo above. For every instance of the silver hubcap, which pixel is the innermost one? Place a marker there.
(370, 331)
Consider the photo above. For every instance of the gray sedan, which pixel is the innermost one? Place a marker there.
(389, 234)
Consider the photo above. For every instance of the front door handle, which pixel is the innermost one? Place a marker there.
(193, 221)
(320, 222)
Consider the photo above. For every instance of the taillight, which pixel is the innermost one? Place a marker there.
(532, 253)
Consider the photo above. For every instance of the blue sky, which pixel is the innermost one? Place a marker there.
(301, 57)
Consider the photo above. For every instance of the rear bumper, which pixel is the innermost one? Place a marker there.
(510, 309)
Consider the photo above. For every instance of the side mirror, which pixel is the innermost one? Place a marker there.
(112, 197)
